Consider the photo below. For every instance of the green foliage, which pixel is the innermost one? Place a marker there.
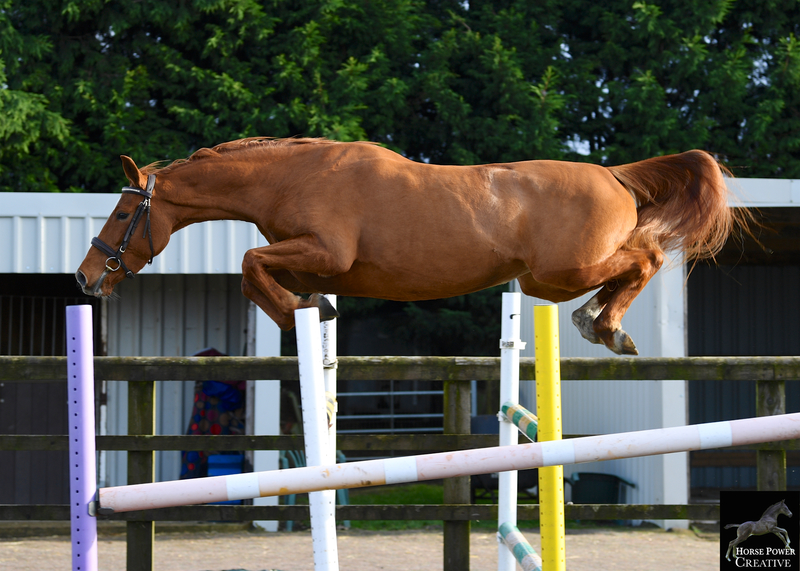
(452, 82)
(465, 325)
(446, 81)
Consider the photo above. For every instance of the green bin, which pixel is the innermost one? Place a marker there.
(595, 488)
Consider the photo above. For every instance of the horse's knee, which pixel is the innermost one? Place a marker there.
(248, 266)
(248, 289)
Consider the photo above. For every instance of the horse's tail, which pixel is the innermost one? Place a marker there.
(730, 525)
(682, 204)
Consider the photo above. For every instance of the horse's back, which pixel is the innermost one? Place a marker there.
(435, 230)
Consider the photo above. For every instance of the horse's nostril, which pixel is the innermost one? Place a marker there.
(81, 278)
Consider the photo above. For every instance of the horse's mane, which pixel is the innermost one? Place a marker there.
(772, 507)
(250, 144)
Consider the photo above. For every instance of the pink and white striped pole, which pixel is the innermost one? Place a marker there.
(80, 407)
(452, 464)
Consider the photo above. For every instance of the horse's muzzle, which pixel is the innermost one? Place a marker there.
(93, 291)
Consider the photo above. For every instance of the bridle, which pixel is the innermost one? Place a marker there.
(143, 208)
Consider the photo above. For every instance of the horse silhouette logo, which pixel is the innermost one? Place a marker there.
(767, 524)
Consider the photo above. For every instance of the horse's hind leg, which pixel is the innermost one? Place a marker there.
(583, 318)
(742, 533)
(622, 276)
(731, 545)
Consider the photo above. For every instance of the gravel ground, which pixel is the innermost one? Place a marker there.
(619, 549)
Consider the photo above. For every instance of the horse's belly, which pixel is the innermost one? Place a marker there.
(414, 284)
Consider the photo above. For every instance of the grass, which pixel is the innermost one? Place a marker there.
(429, 494)
(394, 495)
(411, 494)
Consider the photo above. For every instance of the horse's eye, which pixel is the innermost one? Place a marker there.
(122, 215)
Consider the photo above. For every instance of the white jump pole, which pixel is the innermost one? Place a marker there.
(329, 366)
(82, 462)
(452, 464)
(510, 346)
(322, 502)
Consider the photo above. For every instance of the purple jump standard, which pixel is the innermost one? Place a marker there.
(451, 464)
(80, 407)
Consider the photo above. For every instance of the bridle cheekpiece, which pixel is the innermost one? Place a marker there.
(143, 208)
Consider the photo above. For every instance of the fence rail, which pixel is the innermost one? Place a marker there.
(35, 369)
(452, 512)
(456, 372)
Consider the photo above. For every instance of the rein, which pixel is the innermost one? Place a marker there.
(143, 208)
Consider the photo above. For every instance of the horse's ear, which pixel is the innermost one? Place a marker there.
(133, 173)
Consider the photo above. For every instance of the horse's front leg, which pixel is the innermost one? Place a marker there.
(783, 534)
(304, 255)
(282, 316)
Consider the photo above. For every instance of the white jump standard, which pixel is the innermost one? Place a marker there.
(450, 464)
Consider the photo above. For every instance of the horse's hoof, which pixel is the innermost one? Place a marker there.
(622, 344)
(583, 318)
(326, 310)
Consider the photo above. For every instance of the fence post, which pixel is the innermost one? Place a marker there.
(457, 401)
(141, 470)
(770, 464)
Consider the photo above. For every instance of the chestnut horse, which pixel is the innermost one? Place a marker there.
(357, 219)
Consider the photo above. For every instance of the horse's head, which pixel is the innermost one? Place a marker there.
(784, 509)
(133, 234)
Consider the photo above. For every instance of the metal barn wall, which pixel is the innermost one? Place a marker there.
(170, 315)
(187, 300)
(50, 233)
(742, 310)
(34, 325)
(656, 323)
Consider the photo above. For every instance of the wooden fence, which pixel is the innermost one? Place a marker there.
(456, 373)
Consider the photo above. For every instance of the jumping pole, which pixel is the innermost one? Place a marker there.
(322, 503)
(525, 555)
(80, 408)
(525, 421)
(510, 346)
(548, 409)
(329, 366)
(440, 465)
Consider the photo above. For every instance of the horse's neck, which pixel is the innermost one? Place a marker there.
(772, 512)
(217, 192)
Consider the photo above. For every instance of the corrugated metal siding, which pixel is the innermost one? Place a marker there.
(170, 316)
(765, 192)
(656, 323)
(35, 325)
(187, 300)
(743, 310)
(51, 233)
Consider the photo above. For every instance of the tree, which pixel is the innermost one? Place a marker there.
(446, 81)
(652, 78)
(452, 82)
(157, 80)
